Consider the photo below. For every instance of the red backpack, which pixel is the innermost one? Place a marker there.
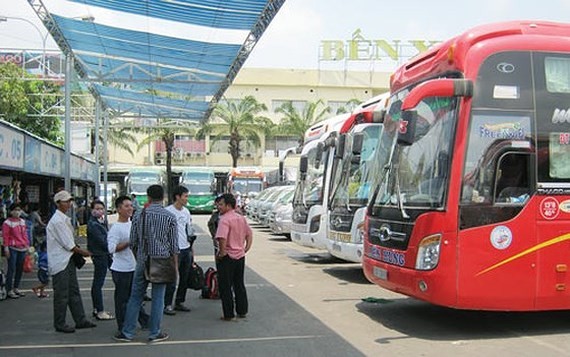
(210, 289)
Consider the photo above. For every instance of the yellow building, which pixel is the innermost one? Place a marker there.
(271, 87)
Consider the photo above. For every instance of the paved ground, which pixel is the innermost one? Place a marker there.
(302, 303)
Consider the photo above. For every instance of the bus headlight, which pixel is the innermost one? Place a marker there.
(315, 224)
(428, 252)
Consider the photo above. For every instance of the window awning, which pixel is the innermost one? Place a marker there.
(169, 59)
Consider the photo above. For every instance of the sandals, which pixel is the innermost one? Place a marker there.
(40, 294)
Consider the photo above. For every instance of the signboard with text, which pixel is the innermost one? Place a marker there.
(360, 49)
(11, 148)
(51, 160)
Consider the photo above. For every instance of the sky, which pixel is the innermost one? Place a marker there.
(293, 38)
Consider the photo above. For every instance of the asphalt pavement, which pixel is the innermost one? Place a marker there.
(275, 326)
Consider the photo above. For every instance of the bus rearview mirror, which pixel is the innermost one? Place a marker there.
(339, 151)
(303, 164)
(357, 142)
(407, 127)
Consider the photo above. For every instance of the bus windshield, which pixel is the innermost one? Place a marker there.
(200, 188)
(356, 177)
(310, 188)
(246, 185)
(418, 174)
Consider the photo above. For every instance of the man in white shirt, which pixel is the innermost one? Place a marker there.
(60, 248)
(124, 263)
(185, 229)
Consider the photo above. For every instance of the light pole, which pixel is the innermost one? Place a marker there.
(42, 36)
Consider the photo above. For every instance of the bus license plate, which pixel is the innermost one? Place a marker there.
(380, 273)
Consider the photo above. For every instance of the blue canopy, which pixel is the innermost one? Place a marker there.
(180, 70)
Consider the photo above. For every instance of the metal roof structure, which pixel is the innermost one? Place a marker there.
(169, 59)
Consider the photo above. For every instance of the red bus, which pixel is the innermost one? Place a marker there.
(473, 211)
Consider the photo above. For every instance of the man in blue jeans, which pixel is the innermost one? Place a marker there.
(153, 234)
(124, 263)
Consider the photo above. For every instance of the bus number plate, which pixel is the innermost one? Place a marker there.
(380, 273)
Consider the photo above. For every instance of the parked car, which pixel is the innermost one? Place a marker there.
(267, 206)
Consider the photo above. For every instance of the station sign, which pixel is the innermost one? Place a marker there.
(360, 48)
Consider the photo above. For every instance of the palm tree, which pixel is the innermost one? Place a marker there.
(240, 120)
(295, 123)
(166, 131)
(118, 137)
(349, 106)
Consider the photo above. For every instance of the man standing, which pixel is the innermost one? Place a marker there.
(124, 263)
(185, 230)
(235, 238)
(60, 247)
(153, 234)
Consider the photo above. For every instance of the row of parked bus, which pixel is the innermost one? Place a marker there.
(454, 188)
(202, 183)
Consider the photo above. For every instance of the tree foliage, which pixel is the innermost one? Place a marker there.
(23, 98)
(296, 123)
(165, 131)
(241, 121)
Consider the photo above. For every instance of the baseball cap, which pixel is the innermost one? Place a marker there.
(62, 196)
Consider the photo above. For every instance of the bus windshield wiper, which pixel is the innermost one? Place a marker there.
(399, 200)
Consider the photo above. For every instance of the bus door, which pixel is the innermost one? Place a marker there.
(496, 263)
(552, 209)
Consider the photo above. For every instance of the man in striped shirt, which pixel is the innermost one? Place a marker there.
(153, 234)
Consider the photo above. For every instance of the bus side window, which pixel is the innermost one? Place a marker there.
(513, 178)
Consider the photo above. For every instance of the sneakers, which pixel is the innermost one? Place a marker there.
(242, 316)
(20, 294)
(161, 337)
(122, 338)
(13, 295)
(104, 315)
(181, 307)
(168, 310)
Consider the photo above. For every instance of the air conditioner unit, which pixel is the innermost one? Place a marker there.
(159, 161)
(159, 154)
(188, 154)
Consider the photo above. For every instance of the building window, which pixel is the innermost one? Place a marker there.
(299, 105)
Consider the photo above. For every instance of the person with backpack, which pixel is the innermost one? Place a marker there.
(234, 237)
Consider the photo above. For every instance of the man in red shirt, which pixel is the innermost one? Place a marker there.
(235, 237)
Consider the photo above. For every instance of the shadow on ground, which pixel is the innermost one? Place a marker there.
(419, 319)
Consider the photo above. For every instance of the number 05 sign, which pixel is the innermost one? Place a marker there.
(11, 148)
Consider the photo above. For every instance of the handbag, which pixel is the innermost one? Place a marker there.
(196, 277)
(78, 260)
(158, 270)
(28, 264)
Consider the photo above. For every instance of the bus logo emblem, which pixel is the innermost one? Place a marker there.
(501, 237)
(505, 67)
